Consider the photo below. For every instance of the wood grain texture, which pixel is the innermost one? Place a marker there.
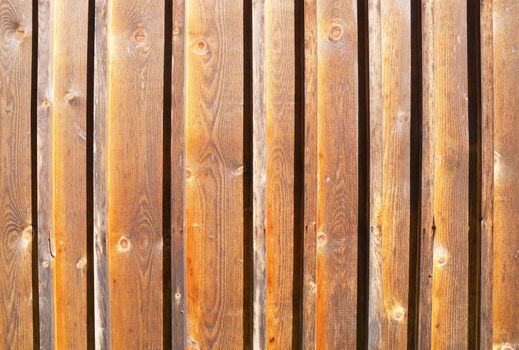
(337, 211)
(259, 168)
(135, 92)
(487, 180)
(69, 212)
(214, 174)
(390, 112)
(16, 230)
(447, 157)
(100, 165)
(280, 133)
(178, 120)
(310, 176)
(506, 195)
(46, 246)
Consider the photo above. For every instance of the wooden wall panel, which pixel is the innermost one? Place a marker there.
(337, 183)
(135, 146)
(16, 230)
(390, 184)
(214, 174)
(506, 197)
(445, 205)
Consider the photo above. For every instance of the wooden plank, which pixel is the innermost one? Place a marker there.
(100, 164)
(310, 176)
(506, 195)
(390, 111)
(445, 207)
(16, 233)
(46, 246)
(135, 143)
(68, 133)
(259, 168)
(177, 176)
(337, 210)
(487, 180)
(214, 175)
(280, 133)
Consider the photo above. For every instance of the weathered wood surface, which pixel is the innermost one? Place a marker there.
(16, 226)
(214, 175)
(506, 195)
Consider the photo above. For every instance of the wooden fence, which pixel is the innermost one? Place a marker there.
(281, 174)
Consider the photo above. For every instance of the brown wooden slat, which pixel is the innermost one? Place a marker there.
(69, 90)
(506, 195)
(487, 171)
(337, 206)
(214, 175)
(46, 246)
(445, 192)
(100, 164)
(390, 110)
(16, 230)
(177, 176)
(310, 175)
(135, 186)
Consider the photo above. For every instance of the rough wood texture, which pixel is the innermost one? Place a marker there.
(136, 68)
(16, 230)
(69, 90)
(101, 293)
(310, 176)
(46, 246)
(280, 133)
(177, 176)
(446, 161)
(337, 174)
(506, 208)
(214, 175)
(390, 112)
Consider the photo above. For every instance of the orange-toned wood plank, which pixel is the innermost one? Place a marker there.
(506, 168)
(390, 121)
(69, 173)
(445, 193)
(337, 211)
(214, 174)
(135, 143)
(16, 323)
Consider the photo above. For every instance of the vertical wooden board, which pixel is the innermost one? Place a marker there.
(280, 126)
(390, 148)
(310, 175)
(450, 141)
(16, 323)
(214, 174)
(337, 210)
(136, 67)
(506, 210)
(69, 172)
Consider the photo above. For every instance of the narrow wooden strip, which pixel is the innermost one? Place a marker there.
(506, 168)
(337, 210)
(46, 243)
(16, 227)
(214, 174)
(135, 184)
(178, 255)
(280, 141)
(259, 169)
(310, 174)
(69, 91)
(487, 181)
(450, 140)
(376, 158)
(101, 296)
